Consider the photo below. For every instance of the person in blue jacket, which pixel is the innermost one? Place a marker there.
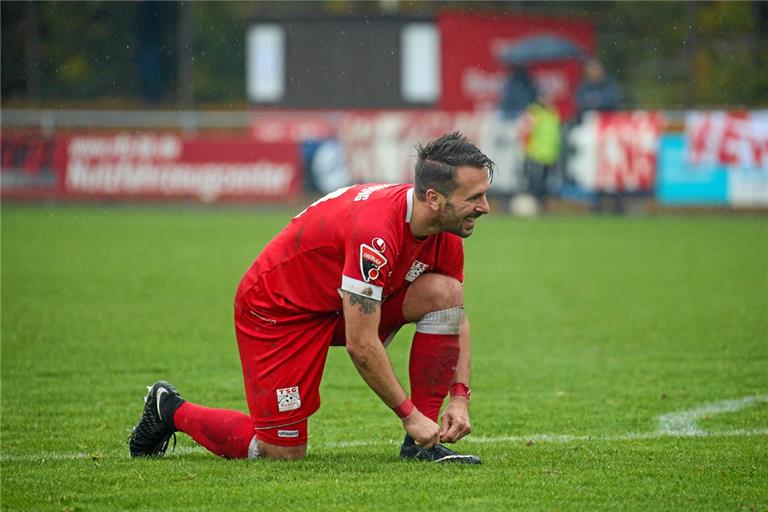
(597, 90)
(518, 92)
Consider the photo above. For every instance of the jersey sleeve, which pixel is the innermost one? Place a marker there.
(369, 253)
(450, 257)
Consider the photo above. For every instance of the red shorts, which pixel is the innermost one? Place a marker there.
(295, 434)
(283, 364)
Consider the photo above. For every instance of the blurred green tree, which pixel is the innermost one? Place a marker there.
(664, 54)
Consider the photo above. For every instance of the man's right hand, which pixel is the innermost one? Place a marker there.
(424, 431)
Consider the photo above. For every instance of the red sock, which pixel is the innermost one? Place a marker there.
(432, 366)
(225, 432)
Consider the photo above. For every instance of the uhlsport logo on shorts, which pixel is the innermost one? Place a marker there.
(288, 399)
(287, 433)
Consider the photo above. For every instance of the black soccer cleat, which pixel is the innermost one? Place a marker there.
(153, 432)
(438, 454)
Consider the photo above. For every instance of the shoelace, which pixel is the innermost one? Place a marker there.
(147, 428)
(167, 441)
(148, 446)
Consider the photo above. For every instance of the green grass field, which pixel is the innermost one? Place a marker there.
(591, 334)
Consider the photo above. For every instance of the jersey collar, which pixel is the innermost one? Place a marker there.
(408, 205)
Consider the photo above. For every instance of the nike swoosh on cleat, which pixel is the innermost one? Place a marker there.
(159, 397)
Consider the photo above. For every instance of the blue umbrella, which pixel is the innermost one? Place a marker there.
(539, 49)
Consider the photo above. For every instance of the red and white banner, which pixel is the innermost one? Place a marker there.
(473, 75)
(616, 151)
(27, 165)
(380, 144)
(730, 139)
(170, 166)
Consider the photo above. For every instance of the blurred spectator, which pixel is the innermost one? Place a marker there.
(154, 22)
(541, 132)
(517, 94)
(597, 90)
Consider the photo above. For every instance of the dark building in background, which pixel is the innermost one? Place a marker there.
(131, 54)
(334, 63)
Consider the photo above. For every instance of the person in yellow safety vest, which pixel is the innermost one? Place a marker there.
(541, 140)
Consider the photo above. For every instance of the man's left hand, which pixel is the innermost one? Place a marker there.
(455, 424)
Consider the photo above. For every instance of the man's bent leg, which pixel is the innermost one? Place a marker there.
(435, 303)
(224, 432)
(231, 434)
(282, 367)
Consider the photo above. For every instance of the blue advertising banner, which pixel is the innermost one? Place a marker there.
(680, 183)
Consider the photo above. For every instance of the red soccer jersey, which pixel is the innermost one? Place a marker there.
(356, 239)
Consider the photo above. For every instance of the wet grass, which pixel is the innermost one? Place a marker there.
(586, 329)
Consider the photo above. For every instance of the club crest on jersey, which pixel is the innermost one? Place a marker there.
(288, 399)
(371, 262)
(416, 270)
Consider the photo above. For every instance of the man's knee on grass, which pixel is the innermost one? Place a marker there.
(275, 452)
(288, 442)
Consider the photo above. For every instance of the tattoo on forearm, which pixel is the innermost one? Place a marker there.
(367, 306)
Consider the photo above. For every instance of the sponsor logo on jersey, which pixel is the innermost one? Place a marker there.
(287, 433)
(416, 270)
(379, 244)
(288, 399)
(371, 262)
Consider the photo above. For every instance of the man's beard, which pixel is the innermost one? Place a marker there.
(451, 223)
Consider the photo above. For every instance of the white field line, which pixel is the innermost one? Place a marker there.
(562, 438)
(681, 424)
(684, 422)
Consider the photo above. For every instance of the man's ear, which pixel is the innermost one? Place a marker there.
(434, 199)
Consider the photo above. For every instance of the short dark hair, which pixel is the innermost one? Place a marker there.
(439, 159)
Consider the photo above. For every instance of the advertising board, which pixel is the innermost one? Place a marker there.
(615, 151)
(721, 159)
(169, 166)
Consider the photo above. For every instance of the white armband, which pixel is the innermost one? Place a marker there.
(361, 288)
